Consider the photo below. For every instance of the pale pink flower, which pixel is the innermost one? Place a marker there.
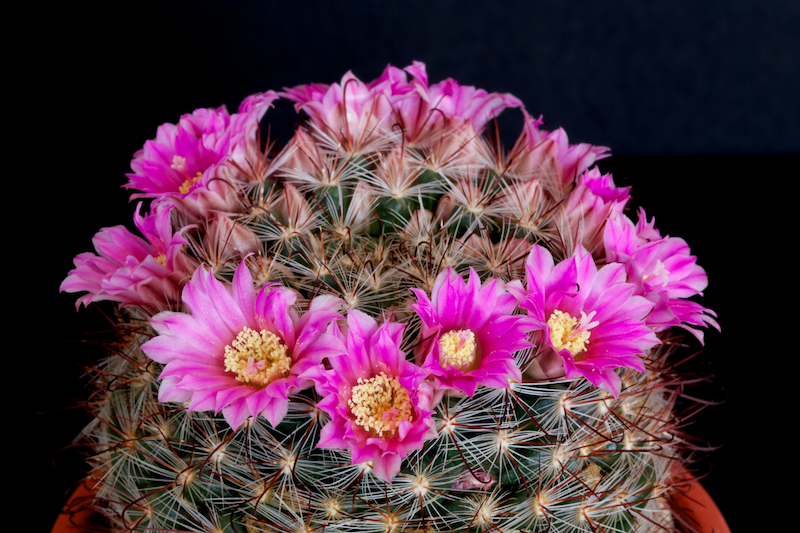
(214, 354)
(224, 240)
(421, 110)
(664, 272)
(133, 271)
(582, 219)
(353, 112)
(548, 156)
(468, 334)
(356, 112)
(188, 161)
(305, 159)
(394, 81)
(477, 480)
(590, 321)
(294, 213)
(450, 99)
(379, 403)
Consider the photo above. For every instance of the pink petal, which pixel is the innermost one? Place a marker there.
(236, 413)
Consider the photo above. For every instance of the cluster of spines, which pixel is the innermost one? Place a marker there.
(368, 225)
(558, 456)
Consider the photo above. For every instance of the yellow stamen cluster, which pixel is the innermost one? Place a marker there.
(184, 188)
(458, 349)
(380, 403)
(257, 357)
(563, 334)
(161, 259)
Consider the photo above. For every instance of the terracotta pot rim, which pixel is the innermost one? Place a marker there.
(77, 512)
(695, 510)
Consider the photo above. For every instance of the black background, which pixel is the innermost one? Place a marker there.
(698, 102)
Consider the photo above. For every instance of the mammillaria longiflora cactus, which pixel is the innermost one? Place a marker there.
(389, 324)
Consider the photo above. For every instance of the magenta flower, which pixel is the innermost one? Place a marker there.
(130, 270)
(663, 271)
(591, 321)
(468, 333)
(378, 402)
(239, 352)
(184, 157)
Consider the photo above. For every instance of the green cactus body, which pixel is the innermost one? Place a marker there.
(560, 456)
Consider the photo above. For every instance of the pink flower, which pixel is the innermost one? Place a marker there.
(549, 156)
(420, 108)
(594, 200)
(663, 271)
(185, 158)
(239, 352)
(294, 213)
(378, 402)
(130, 270)
(468, 333)
(478, 480)
(356, 112)
(226, 241)
(590, 320)
(353, 112)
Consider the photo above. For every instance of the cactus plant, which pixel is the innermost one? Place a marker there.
(391, 323)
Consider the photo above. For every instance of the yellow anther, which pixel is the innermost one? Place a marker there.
(187, 185)
(161, 259)
(380, 403)
(257, 357)
(458, 349)
(563, 334)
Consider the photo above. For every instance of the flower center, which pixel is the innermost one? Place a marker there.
(257, 357)
(458, 349)
(187, 185)
(179, 164)
(563, 334)
(380, 403)
(659, 274)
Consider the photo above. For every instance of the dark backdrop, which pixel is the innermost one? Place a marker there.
(698, 101)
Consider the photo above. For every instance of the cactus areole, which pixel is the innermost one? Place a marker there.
(389, 323)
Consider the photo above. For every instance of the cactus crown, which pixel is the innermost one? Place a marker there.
(388, 192)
